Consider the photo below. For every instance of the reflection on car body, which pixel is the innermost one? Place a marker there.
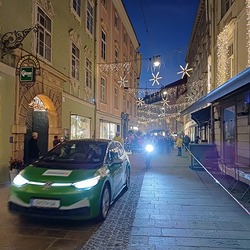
(77, 179)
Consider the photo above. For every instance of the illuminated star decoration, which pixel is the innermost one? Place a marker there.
(140, 102)
(189, 98)
(165, 102)
(184, 71)
(122, 81)
(167, 120)
(148, 112)
(155, 78)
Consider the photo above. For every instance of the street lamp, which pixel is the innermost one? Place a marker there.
(156, 61)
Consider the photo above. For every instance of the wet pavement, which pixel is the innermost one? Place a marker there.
(168, 206)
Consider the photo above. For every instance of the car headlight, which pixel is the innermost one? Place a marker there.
(87, 183)
(20, 181)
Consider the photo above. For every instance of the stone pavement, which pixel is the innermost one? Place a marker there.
(180, 208)
(168, 206)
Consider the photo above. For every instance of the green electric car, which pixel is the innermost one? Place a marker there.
(77, 179)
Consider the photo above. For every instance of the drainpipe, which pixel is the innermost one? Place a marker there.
(95, 70)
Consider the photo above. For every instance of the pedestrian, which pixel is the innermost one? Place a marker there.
(33, 150)
(179, 145)
(186, 141)
(56, 140)
(197, 139)
(118, 138)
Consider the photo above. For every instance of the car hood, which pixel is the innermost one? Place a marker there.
(38, 174)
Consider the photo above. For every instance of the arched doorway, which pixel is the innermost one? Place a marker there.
(36, 120)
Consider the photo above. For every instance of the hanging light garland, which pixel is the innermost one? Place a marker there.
(222, 55)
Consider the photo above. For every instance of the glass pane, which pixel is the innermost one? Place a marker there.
(229, 134)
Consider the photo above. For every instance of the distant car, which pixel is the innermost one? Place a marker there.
(77, 179)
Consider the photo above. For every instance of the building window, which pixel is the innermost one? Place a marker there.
(103, 49)
(131, 78)
(75, 62)
(131, 107)
(90, 18)
(116, 55)
(116, 20)
(116, 97)
(225, 6)
(124, 103)
(125, 38)
(230, 61)
(44, 35)
(104, 3)
(88, 73)
(131, 49)
(76, 4)
(103, 90)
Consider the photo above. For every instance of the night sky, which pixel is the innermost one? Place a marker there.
(163, 27)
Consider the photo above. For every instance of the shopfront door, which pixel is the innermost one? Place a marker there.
(229, 134)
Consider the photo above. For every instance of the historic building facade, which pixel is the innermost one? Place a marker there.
(118, 70)
(220, 62)
(49, 79)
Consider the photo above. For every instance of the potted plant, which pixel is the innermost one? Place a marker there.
(15, 167)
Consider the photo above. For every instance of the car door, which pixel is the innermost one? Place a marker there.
(115, 167)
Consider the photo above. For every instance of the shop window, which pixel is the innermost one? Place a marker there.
(229, 134)
(80, 127)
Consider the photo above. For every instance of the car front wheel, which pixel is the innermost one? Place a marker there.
(104, 204)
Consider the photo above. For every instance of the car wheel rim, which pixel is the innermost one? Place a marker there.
(105, 202)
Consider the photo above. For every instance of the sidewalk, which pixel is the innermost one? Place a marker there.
(180, 208)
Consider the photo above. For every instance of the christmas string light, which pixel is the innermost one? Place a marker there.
(222, 55)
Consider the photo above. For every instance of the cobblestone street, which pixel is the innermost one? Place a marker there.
(168, 206)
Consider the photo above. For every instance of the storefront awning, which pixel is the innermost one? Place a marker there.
(202, 116)
(236, 82)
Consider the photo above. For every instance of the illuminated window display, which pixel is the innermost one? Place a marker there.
(80, 127)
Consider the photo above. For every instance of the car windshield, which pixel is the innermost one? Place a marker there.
(70, 152)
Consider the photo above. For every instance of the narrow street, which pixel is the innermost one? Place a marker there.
(168, 206)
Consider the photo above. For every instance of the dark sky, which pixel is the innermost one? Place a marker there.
(163, 27)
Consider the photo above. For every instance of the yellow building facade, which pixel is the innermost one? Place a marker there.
(49, 78)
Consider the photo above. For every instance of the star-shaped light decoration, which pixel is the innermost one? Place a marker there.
(148, 112)
(167, 120)
(184, 71)
(165, 102)
(140, 102)
(189, 98)
(122, 81)
(155, 78)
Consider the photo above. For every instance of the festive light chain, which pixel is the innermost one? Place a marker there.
(222, 55)
(115, 67)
